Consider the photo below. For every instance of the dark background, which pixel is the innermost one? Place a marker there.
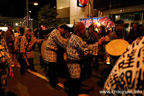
(105, 4)
(17, 8)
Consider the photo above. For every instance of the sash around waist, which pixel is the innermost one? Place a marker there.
(47, 48)
(74, 61)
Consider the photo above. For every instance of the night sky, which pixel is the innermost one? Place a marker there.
(17, 8)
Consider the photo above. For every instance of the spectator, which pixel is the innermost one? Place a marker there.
(91, 34)
(117, 34)
(101, 53)
(101, 31)
(92, 37)
(133, 33)
(119, 31)
(140, 30)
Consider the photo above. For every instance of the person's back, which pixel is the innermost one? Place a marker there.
(127, 74)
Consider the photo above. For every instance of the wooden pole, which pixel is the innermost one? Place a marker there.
(26, 60)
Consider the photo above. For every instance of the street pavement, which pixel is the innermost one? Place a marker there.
(32, 85)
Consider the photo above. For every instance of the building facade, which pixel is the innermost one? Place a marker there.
(129, 11)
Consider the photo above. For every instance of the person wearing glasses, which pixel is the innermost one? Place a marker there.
(26, 48)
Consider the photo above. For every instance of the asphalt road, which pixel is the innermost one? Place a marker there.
(31, 85)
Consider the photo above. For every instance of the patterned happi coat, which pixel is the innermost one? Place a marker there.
(17, 43)
(27, 47)
(9, 38)
(76, 50)
(5, 61)
(127, 76)
(54, 40)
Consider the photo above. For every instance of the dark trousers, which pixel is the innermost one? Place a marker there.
(96, 63)
(51, 73)
(24, 65)
(19, 57)
(31, 67)
(74, 86)
(1, 90)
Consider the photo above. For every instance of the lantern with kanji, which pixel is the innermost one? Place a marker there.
(83, 2)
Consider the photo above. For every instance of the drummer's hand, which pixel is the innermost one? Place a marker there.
(65, 56)
(102, 40)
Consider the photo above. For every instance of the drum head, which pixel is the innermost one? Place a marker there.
(116, 47)
(43, 48)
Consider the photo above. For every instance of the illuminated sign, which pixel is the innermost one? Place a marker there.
(3, 28)
(98, 21)
(81, 3)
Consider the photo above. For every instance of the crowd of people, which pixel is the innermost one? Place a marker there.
(16, 49)
(77, 48)
(83, 49)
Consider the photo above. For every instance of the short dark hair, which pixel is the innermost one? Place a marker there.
(9, 25)
(91, 26)
(65, 27)
(119, 22)
(21, 30)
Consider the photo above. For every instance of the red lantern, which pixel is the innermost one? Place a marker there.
(83, 2)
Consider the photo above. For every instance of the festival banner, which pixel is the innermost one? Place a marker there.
(98, 21)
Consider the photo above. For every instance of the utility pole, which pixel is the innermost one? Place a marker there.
(27, 11)
(91, 9)
(110, 6)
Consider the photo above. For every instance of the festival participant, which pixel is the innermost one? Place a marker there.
(119, 31)
(76, 50)
(54, 40)
(9, 38)
(17, 48)
(26, 48)
(127, 75)
(5, 62)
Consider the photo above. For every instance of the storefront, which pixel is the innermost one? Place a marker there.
(98, 21)
(130, 15)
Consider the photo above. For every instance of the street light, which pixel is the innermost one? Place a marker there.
(27, 10)
(35, 3)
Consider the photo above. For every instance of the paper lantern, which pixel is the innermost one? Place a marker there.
(83, 2)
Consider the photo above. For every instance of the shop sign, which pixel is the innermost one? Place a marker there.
(83, 2)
